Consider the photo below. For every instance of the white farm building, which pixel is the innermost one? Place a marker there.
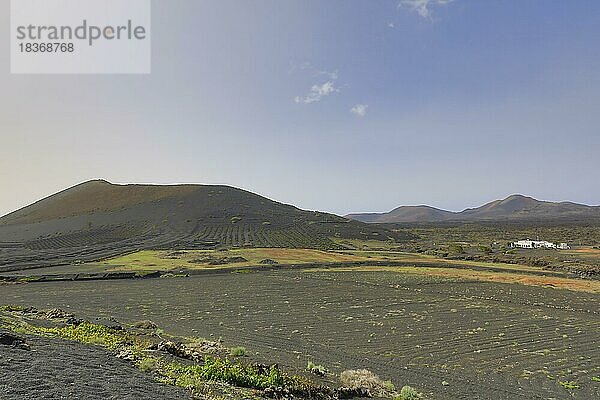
(539, 244)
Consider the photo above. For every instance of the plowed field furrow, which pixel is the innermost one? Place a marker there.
(411, 329)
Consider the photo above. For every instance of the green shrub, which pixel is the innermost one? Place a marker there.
(91, 334)
(389, 386)
(485, 249)
(147, 364)
(409, 393)
(215, 369)
(316, 369)
(239, 351)
(456, 249)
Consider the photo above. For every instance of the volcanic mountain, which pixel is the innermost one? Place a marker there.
(97, 219)
(512, 208)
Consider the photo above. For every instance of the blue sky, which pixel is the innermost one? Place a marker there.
(340, 105)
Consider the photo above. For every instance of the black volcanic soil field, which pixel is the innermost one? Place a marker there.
(450, 339)
(59, 369)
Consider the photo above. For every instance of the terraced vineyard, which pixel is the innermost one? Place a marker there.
(452, 339)
(246, 235)
(92, 237)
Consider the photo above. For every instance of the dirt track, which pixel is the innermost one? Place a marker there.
(453, 340)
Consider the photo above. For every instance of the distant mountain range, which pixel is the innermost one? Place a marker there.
(513, 208)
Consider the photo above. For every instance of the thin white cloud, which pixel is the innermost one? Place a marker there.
(327, 84)
(317, 92)
(332, 75)
(423, 7)
(360, 110)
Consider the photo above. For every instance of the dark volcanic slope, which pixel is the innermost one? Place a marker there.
(515, 207)
(97, 219)
(59, 369)
(523, 207)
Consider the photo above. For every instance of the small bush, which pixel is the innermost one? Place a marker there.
(365, 379)
(147, 364)
(316, 369)
(537, 262)
(409, 393)
(485, 249)
(456, 249)
(239, 351)
(389, 386)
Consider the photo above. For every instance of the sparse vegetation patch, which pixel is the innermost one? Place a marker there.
(409, 393)
(569, 385)
(367, 380)
(316, 369)
(239, 351)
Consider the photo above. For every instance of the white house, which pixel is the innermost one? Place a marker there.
(523, 244)
(539, 244)
(534, 244)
